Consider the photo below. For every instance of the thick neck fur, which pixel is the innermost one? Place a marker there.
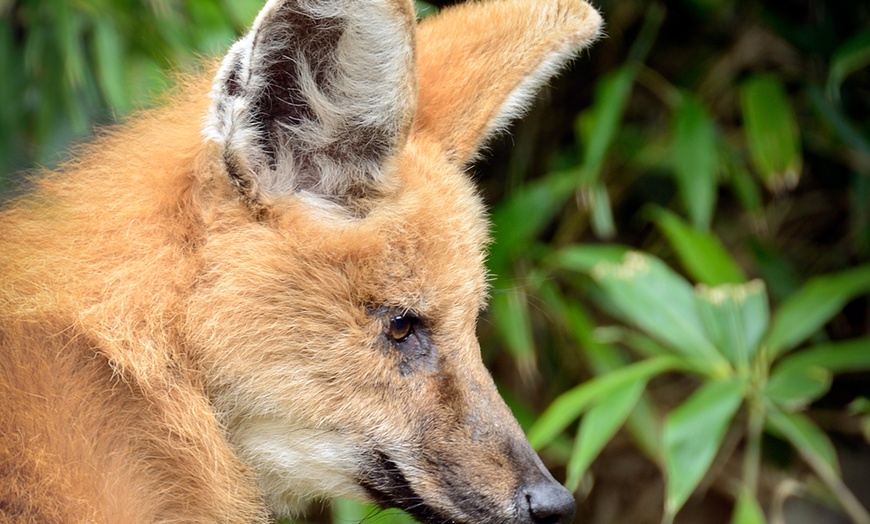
(101, 257)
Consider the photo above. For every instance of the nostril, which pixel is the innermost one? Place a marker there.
(550, 503)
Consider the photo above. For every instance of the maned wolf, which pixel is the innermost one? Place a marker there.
(243, 301)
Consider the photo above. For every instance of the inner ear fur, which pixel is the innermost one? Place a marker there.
(480, 64)
(316, 98)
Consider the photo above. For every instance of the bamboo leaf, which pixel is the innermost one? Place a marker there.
(109, 57)
(810, 441)
(771, 132)
(837, 357)
(805, 376)
(812, 306)
(602, 213)
(611, 96)
(582, 258)
(693, 434)
(847, 59)
(525, 214)
(510, 312)
(735, 318)
(571, 404)
(645, 292)
(700, 253)
(695, 160)
(643, 423)
(598, 426)
(794, 387)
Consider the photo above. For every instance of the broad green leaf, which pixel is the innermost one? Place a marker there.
(805, 376)
(693, 434)
(771, 131)
(643, 423)
(701, 253)
(695, 158)
(598, 426)
(812, 306)
(810, 441)
(645, 292)
(848, 58)
(571, 404)
(747, 510)
(837, 357)
(794, 387)
(645, 345)
(582, 258)
(735, 318)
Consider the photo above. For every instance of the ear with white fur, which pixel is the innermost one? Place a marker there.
(480, 65)
(315, 98)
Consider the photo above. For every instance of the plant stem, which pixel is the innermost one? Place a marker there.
(847, 499)
(752, 456)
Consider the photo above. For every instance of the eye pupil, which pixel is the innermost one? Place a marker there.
(401, 327)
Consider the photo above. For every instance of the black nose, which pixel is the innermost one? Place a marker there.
(549, 503)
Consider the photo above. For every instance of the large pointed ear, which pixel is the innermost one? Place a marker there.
(316, 98)
(480, 65)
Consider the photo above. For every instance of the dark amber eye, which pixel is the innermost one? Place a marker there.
(401, 327)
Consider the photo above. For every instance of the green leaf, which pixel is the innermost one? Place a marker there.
(805, 376)
(525, 214)
(810, 441)
(700, 253)
(611, 96)
(583, 258)
(695, 160)
(643, 423)
(771, 131)
(346, 510)
(598, 426)
(645, 292)
(747, 510)
(812, 306)
(510, 313)
(837, 357)
(571, 404)
(602, 213)
(794, 387)
(693, 434)
(108, 48)
(848, 58)
(735, 318)
(424, 9)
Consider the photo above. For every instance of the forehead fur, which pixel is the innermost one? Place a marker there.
(422, 248)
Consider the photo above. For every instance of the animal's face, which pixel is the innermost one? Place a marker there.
(334, 321)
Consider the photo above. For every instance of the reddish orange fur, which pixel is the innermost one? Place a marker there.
(141, 300)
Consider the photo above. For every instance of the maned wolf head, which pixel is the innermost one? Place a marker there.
(290, 302)
(338, 330)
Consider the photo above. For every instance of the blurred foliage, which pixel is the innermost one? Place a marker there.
(682, 234)
(70, 64)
